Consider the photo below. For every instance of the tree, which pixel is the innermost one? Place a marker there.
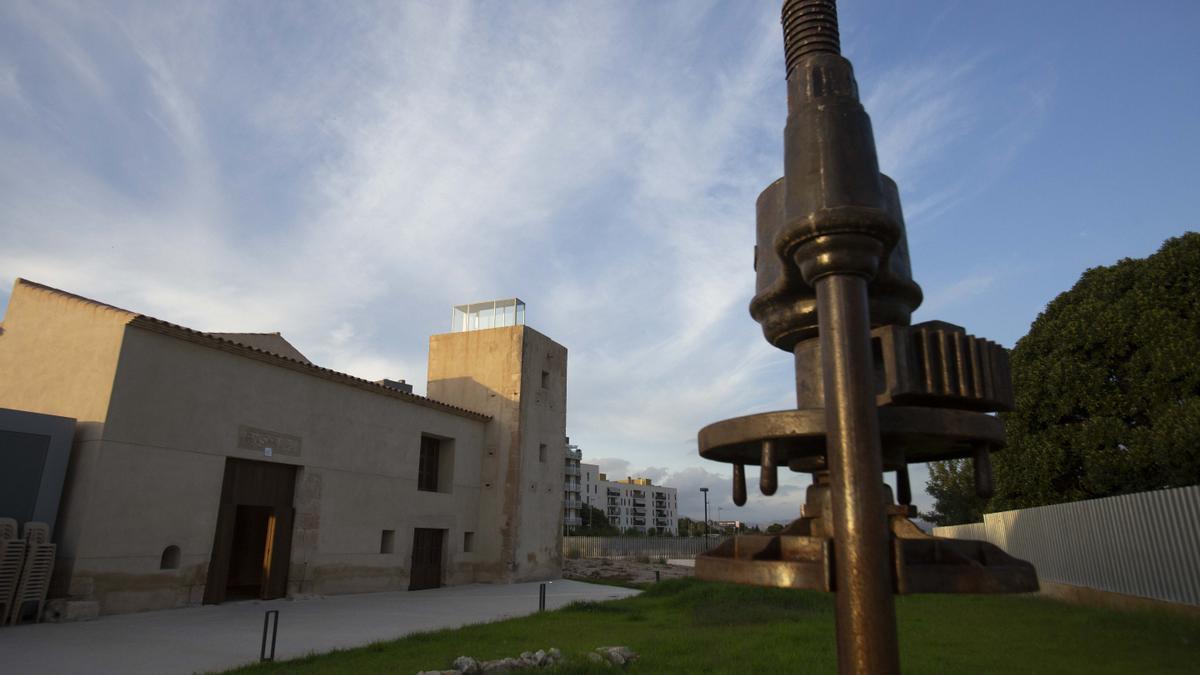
(952, 486)
(1107, 391)
(690, 528)
(595, 523)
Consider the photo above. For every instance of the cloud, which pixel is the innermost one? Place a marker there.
(964, 289)
(346, 174)
(942, 136)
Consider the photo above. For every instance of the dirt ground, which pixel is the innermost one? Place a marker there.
(621, 570)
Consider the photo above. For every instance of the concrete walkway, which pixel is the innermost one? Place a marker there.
(217, 637)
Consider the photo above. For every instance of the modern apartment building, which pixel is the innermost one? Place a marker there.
(572, 497)
(630, 503)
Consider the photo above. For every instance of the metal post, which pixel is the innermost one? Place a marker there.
(705, 491)
(262, 651)
(866, 623)
(542, 598)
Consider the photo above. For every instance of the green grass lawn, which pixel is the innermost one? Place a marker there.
(689, 626)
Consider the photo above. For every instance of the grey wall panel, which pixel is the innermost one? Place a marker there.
(1145, 544)
(34, 452)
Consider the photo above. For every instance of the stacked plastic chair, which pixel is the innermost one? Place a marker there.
(28, 596)
(12, 559)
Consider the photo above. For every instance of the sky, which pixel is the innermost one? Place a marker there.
(346, 172)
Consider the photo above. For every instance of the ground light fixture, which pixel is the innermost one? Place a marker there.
(874, 393)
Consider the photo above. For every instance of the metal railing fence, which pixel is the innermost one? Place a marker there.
(634, 547)
(1145, 544)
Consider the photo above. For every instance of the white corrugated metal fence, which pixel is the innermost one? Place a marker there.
(1145, 544)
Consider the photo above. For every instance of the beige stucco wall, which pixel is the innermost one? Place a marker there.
(498, 371)
(175, 414)
(161, 409)
(58, 356)
(156, 470)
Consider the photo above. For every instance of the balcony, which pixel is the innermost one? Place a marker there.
(613, 492)
(574, 453)
(614, 513)
(572, 503)
(660, 503)
(638, 494)
(490, 314)
(572, 521)
(660, 514)
(638, 512)
(641, 522)
(571, 486)
(571, 470)
(641, 503)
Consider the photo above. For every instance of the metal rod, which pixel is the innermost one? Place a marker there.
(542, 598)
(983, 473)
(903, 486)
(739, 485)
(768, 475)
(866, 614)
(262, 651)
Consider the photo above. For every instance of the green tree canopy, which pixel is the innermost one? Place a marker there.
(1107, 392)
(595, 523)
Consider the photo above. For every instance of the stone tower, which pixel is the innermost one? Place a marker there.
(494, 364)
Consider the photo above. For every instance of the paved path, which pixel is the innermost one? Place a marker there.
(216, 637)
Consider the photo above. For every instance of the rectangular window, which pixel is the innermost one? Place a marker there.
(542, 452)
(427, 470)
(545, 379)
(468, 541)
(387, 542)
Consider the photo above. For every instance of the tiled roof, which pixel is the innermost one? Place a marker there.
(214, 340)
(268, 342)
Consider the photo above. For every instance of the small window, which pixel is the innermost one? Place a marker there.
(468, 541)
(545, 379)
(387, 542)
(542, 452)
(170, 558)
(427, 470)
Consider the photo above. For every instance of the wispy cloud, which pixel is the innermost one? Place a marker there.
(964, 289)
(345, 174)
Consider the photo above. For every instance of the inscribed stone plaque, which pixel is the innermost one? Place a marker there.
(259, 440)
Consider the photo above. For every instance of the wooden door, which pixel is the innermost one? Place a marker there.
(218, 564)
(426, 570)
(254, 486)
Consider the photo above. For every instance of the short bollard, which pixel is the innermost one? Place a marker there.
(542, 598)
(262, 652)
(657, 576)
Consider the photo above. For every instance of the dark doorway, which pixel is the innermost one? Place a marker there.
(252, 533)
(426, 571)
(253, 540)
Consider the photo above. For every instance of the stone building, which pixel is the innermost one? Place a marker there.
(206, 467)
(631, 503)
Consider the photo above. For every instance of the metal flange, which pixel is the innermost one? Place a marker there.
(796, 438)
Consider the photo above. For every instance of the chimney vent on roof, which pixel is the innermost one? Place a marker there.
(400, 385)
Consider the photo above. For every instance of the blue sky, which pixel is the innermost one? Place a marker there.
(345, 172)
